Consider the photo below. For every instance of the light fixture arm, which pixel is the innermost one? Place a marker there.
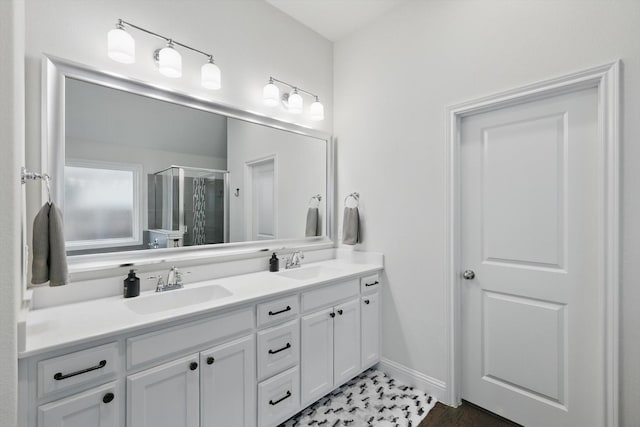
(122, 23)
(295, 88)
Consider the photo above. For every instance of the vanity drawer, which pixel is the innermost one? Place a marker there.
(88, 366)
(328, 295)
(370, 283)
(279, 398)
(278, 349)
(280, 309)
(166, 343)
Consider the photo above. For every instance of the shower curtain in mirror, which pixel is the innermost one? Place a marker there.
(198, 232)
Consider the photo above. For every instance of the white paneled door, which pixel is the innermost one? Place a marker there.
(532, 303)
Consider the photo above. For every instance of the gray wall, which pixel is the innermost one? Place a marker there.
(393, 83)
(12, 148)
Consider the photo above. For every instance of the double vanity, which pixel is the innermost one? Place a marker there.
(247, 350)
(237, 346)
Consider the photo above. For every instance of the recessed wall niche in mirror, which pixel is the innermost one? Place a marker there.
(142, 173)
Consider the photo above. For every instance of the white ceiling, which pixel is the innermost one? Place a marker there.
(335, 19)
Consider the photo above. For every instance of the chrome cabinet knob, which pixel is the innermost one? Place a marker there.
(468, 275)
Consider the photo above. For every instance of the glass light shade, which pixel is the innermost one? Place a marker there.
(317, 111)
(210, 75)
(120, 46)
(295, 103)
(170, 62)
(271, 95)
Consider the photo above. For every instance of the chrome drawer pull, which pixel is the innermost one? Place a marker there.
(372, 284)
(288, 346)
(60, 376)
(273, 313)
(288, 395)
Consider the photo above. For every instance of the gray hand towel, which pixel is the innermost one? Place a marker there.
(40, 247)
(49, 251)
(312, 222)
(351, 226)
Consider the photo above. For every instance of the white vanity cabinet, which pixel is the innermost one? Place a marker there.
(252, 365)
(215, 388)
(331, 338)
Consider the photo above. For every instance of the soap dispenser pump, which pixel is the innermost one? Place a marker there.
(131, 285)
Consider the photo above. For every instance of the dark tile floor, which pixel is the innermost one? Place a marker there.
(466, 415)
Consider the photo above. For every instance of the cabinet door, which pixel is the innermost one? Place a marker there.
(167, 395)
(317, 355)
(346, 341)
(98, 407)
(370, 315)
(227, 385)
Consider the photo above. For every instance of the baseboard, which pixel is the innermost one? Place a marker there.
(433, 386)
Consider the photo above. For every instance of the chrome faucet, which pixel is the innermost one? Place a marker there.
(174, 281)
(294, 261)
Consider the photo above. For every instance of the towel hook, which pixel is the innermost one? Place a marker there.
(26, 175)
(355, 196)
(47, 181)
(317, 198)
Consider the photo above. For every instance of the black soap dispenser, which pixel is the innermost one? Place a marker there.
(131, 285)
(274, 263)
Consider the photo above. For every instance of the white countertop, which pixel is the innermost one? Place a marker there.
(61, 326)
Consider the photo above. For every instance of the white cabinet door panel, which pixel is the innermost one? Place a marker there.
(98, 407)
(346, 341)
(165, 396)
(370, 315)
(317, 355)
(227, 385)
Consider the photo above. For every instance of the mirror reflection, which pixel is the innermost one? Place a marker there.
(142, 173)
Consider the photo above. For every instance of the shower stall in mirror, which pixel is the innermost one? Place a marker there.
(187, 206)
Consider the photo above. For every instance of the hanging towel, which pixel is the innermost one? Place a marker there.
(49, 252)
(351, 226)
(312, 222)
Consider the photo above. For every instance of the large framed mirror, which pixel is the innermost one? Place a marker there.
(145, 175)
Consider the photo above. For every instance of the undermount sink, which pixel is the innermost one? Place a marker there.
(305, 273)
(170, 300)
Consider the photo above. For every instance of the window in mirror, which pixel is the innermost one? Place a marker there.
(101, 205)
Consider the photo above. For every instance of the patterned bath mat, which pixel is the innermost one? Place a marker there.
(371, 399)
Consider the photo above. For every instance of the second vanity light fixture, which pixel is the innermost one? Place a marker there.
(292, 101)
(121, 48)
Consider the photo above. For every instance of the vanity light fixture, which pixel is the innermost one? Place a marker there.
(169, 61)
(292, 101)
(295, 102)
(271, 94)
(121, 48)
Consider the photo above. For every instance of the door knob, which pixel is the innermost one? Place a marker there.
(468, 275)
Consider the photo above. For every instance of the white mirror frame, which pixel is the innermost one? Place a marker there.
(56, 70)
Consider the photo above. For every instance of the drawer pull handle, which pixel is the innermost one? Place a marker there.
(193, 366)
(210, 360)
(340, 312)
(60, 376)
(372, 284)
(286, 347)
(367, 301)
(332, 314)
(108, 398)
(273, 313)
(288, 395)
